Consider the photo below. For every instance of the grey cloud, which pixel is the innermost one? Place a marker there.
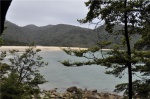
(44, 12)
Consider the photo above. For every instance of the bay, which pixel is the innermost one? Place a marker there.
(62, 77)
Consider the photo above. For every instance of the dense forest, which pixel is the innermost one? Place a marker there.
(58, 35)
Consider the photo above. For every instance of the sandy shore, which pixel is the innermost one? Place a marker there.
(23, 48)
(43, 48)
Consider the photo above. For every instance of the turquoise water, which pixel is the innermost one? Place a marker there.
(61, 77)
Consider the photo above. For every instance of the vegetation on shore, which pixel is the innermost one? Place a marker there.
(59, 35)
(20, 77)
(19, 74)
(132, 59)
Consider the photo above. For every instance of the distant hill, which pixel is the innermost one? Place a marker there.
(56, 35)
(50, 35)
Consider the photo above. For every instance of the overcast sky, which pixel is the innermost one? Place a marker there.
(44, 12)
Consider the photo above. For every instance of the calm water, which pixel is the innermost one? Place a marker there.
(61, 77)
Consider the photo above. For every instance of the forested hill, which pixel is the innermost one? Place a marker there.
(50, 35)
(53, 35)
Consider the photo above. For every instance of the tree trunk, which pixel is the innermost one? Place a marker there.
(129, 54)
(4, 8)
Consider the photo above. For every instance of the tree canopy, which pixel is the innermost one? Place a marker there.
(135, 18)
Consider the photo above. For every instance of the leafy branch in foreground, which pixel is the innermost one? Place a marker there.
(19, 74)
(134, 18)
(115, 63)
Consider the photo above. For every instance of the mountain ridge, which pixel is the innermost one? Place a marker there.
(50, 35)
(57, 35)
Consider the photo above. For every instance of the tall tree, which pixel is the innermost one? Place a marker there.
(134, 16)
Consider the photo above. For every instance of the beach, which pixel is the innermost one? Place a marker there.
(43, 48)
(89, 78)
(23, 48)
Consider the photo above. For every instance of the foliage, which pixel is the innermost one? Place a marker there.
(13, 42)
(54, 35)
(10, 89)
(134, 16)
(66, 63)
(51, 35)
(19, 74)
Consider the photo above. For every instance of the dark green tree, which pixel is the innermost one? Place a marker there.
(134, 16)
(10, 89)
(19, 75)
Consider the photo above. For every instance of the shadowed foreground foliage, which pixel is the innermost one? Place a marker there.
(19, 74)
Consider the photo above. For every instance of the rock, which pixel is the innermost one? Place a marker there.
(97, 96)
(72, 89)
(54, 90)
(52, 96)
(79, 89)
(94, 91)
(77, 93)
(66, 95)
(61, 95)
(106, 95)
(100, 94)
(93, 97)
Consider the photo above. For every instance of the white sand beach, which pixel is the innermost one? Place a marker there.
(43, 48)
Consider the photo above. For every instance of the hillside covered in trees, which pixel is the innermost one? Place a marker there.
(57, 35)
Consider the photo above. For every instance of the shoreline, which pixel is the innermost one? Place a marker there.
(43, 48)
(79, 93)
(85, 92)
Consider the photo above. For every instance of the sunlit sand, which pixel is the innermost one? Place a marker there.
(43, 48)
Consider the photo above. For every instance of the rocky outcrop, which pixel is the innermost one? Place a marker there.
(78, 93)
